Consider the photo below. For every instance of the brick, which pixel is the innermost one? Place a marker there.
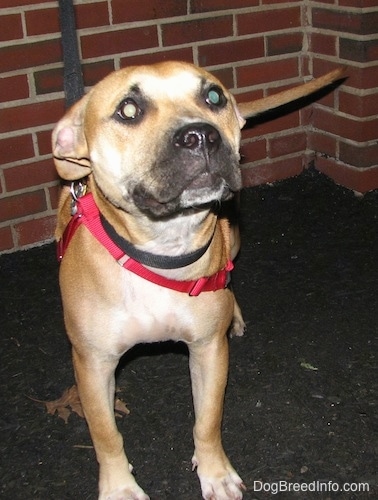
(252, 95)
(54, 195)
(44, 139)
(253, 151)
(48, 81)
(357, 77)
(16, 148)
(359, 131)
(271, 171)
(323, 44)
(358, 105)
(322, 66)
(147, 10)
(10, 27)
(287, 144)
(29, 175)
(6, 238)
(363, 78)
(322, 143)
(225, 75)
(358, 3)
(14, 87)
(284, 44)
(94, 72)
(344, 21)
(224, 53)
(118, 42)
(30, 115)
(35, 231)
(268, 20)
(198, 6)
(42, 21)
(359, 50)
(263, 73)
(360, 180)
(15, 57)
(22, 205)
(358, 155)
(93, 15)
(197, 30)
(181, 54)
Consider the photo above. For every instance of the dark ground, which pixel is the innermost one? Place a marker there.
(307, 283)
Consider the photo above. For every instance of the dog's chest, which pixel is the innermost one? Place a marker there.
(145, 312)
(149, 313)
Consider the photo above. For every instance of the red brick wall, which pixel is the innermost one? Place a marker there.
(256, 47)
(344, 125)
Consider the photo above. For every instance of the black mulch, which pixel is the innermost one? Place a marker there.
(301, 404)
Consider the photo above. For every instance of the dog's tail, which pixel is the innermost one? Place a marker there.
(252, 108)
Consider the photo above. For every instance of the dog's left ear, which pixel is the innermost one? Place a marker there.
(69, 144)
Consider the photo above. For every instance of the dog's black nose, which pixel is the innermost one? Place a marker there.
(198, 136)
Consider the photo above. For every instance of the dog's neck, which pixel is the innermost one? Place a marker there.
(155, 258)
(181, 234)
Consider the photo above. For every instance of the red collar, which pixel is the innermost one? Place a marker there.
(87, 213)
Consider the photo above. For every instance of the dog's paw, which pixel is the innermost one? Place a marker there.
(221, 486)
(127, 493)
(229, 487)
(238, 326)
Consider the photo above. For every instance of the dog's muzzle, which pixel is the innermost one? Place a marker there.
(198, 167)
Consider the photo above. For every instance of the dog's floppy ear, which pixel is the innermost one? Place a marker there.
(240, 118)
(69, 144)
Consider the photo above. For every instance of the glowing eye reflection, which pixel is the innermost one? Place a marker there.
(129, 110)
(214, 97)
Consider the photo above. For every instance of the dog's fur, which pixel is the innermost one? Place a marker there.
(160, 148)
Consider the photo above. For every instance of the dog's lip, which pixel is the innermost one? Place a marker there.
(205, 180)
(148, 202)
(202, 190)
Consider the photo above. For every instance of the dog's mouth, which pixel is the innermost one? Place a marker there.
(203, 181)
(202, 191)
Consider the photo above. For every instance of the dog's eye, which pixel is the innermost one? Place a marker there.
(215, 97)
(129, 110)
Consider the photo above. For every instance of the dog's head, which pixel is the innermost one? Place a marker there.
(160, 138)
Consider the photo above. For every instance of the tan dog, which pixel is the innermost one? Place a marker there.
(159, 148)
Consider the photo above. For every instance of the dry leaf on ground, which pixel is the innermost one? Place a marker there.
(70, 402)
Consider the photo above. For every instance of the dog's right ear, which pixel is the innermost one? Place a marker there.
(69, 144)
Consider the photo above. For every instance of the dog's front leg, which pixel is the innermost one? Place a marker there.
(96, 384)
(209, 368)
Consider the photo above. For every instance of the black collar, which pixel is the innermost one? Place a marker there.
(151, 259)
